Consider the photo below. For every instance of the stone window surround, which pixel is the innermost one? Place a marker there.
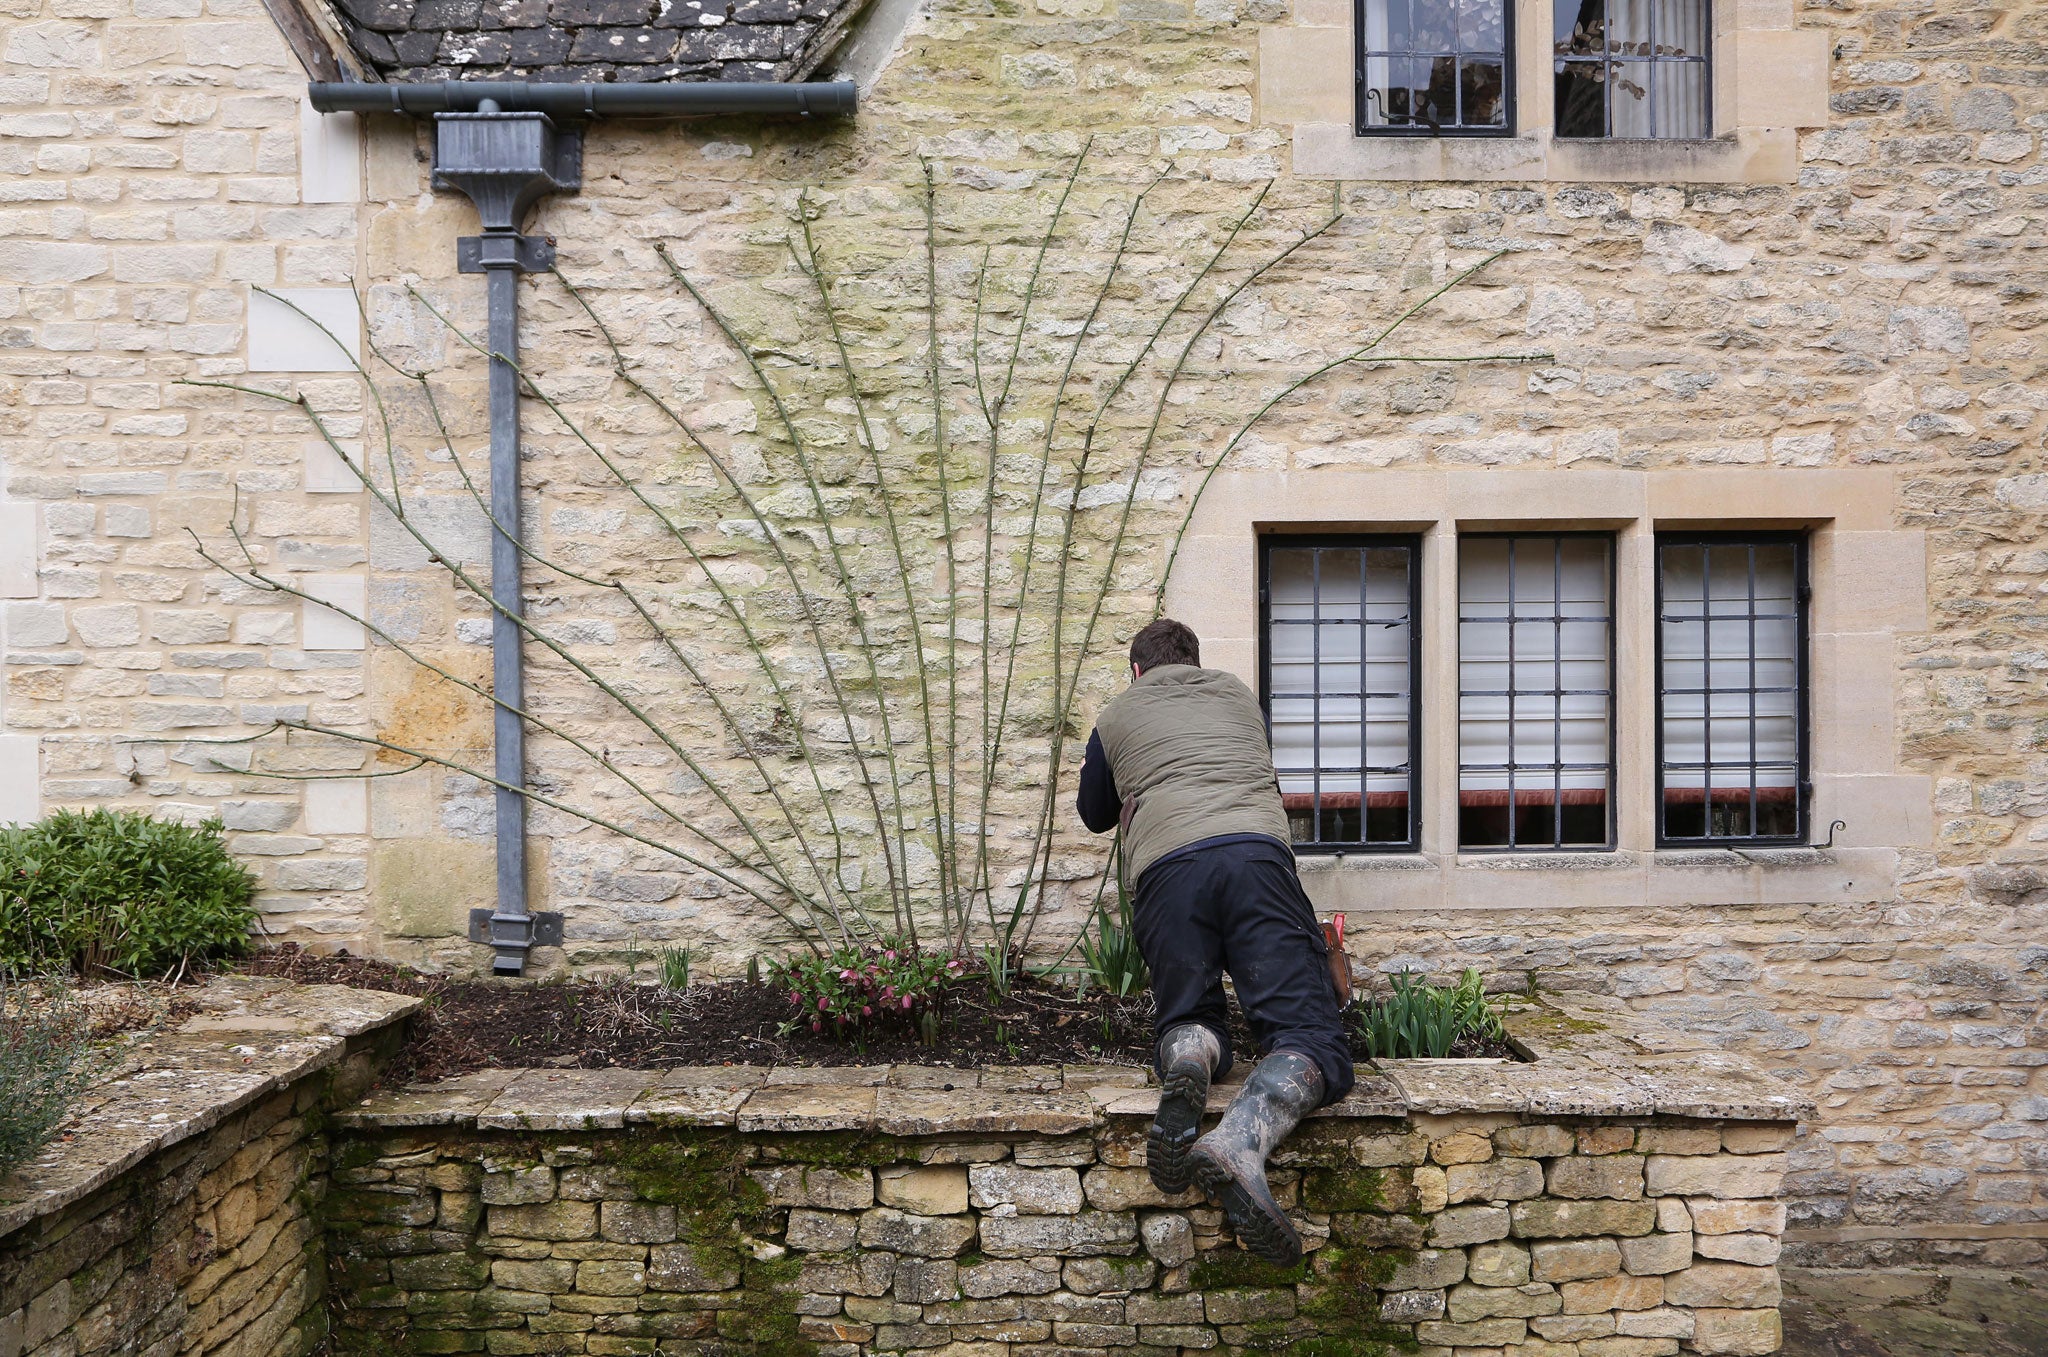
(1769, 79)
(1869, 587)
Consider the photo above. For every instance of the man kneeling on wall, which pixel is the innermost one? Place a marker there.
(1181, 759)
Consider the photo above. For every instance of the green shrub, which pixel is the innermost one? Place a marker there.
(45, 1062)
(1423, 1021)
(1111, 953)
(115, 890)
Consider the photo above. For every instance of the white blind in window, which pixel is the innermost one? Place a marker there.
(1338, 649)
(1731, 669)
(1533, 656)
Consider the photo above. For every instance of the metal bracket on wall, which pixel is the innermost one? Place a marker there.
(528, 254)
(547, 926)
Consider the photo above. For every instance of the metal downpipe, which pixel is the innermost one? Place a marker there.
(508, 679)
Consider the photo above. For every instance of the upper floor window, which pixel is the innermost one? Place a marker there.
(1631, 68)
(1731, 692)
(1340, 661)
(1433, 66)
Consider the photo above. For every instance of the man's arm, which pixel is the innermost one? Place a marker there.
(1098, 802)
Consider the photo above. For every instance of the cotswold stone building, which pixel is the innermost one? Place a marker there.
(1655, 609)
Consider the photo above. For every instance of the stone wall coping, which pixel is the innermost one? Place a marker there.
(249, 1037)
(1589, 1057)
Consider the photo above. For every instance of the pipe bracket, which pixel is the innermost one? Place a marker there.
(528, 254)
(512, 930)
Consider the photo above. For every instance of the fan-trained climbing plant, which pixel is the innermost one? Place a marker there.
(860, 626)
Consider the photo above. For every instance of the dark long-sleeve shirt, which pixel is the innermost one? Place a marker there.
(1098, 802)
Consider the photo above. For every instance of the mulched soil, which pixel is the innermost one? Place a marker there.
(470, 1024)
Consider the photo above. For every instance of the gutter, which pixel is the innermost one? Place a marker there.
(499, 143)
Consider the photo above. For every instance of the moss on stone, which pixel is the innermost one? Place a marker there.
(1235, 1268)
(1347, 1189)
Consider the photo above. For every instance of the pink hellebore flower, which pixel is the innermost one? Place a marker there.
(824, 1004)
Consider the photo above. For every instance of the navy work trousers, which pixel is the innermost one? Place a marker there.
(1237, 906)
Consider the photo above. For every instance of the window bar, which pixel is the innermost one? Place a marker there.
(1650, 73)
(1513, 826)
(1557, 692)
(1364, 698)
(1315, 670)
(1754, 773)
(1707, 688)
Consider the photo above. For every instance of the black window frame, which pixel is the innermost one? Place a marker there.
(1608, 57)
(1364, 541)
(1802, 591)
(1359, 56)
(1611, 842)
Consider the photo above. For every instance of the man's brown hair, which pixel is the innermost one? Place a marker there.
(1165, 642)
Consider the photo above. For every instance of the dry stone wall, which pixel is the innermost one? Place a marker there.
(843, 1212)
(180, 1213)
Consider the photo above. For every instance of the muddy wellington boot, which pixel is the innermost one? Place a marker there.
(1188, 1055)
(1230, 1162)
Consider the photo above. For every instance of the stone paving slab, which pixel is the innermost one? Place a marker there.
(249, 1037)
(566, 1100)
(924, 1112)
(450, 1102)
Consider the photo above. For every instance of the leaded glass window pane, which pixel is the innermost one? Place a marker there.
(1432, 66)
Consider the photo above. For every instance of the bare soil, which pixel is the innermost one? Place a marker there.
(471, 1024)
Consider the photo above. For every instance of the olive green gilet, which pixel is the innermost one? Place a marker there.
(1188, 750)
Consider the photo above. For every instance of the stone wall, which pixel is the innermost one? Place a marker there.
(180, 1213)
(843, 1212)
(1879, 310)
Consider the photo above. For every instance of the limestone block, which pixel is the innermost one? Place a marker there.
(1484, 1333)
(1737, 1333)
(1247, 1305)
(1662, 1322)
(1499, 1264)
(821, 1231)
(1654, 1254)
(611, 1277)
(1432, 1189)
(1605, 1139)
(829, 1189)
(870, 1273)
(1721, 1175)
(1109, 1276)
(884, 1227)
(1388, 1150)
(1533, 1142)
(433, 1271)
(338, 806)
(1168, 1238)
(425, 888)
(1467, 1301)
(1435, 1269)
(1406, 1307)
(929, 1190)
(691, 1267)
(1121, 1189)
(1756, 1138)
(514, 1187)
(1461, 1225)
(1573, 1328)
(1678, 1140)
(553, 1221)
(1042, 1192)
(1724, 1285)
(1736, 1217)
(1672, 1215)
(35, 626)
(1545, 1218)
(1612, 1293)
(1021, 1276)
(1756, 1249)
(636, 1222)
(1466, 1147)
(304, 329)
(922, 1281)
(1153, 1308)
(1085, 1234)
(549, 1276)
(1573, 1260)
(1618, 1177)
(1496, 1180)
